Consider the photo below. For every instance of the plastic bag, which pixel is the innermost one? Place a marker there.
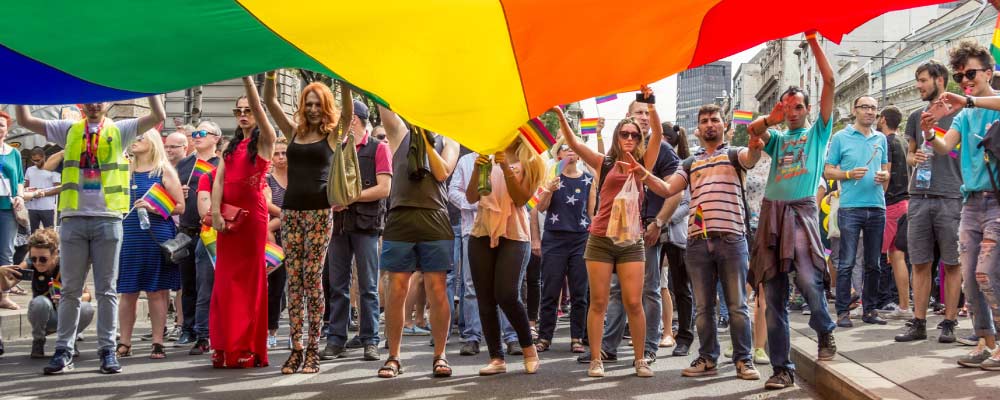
(624, 228)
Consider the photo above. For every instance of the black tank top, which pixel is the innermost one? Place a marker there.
(308, 170)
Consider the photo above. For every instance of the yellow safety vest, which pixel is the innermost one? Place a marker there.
(114, 167)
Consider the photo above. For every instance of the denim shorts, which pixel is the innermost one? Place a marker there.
(431, 256)
(602, 249)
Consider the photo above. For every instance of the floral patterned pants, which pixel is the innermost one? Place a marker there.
(306, 236)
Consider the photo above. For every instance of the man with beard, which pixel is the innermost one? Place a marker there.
(934, 213)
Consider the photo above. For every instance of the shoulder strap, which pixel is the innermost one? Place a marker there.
(734, 159)
(606, 166)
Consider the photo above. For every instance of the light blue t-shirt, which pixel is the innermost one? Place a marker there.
(850, 149)
(972, 125)
(796, 161)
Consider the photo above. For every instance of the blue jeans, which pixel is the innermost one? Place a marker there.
(363, 249)
(809, 280)
(562, 260)
(723, 310)
(86, 242)
(981, 221)
(652, 304)
(853, 222)
(8, 229)
(43, 317)
(471, 327)
(205, 278)
(713, 260)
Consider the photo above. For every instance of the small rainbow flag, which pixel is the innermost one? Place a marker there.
(560, 166)
(533, 201)
(742, 117)
(995, 45)
(157, 197)
(588, 126)
(201, 167)
(273, 254)
(605, 99)
(55, 288)
(537, 135)
(208, 236)
(699, 220)
(939, 132)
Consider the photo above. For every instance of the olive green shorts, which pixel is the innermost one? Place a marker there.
(602, 249)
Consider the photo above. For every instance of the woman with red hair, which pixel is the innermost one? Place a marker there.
(306, 213)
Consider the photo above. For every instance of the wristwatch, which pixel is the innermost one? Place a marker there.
(970, 102)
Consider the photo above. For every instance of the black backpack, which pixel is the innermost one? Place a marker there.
(734, 160)
(991, 149)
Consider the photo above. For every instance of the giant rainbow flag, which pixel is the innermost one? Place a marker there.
(474, 70)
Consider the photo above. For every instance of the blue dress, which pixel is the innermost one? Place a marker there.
(141, 265)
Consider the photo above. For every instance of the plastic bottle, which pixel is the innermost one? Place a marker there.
(143, 219)
(923, 171)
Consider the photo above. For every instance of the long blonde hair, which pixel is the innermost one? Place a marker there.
(531, 163)
(157, 155)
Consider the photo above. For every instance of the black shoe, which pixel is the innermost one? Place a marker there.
(827, 347)
(61, 361)
(514, 349)
(916, 329)
(844, 320)
(470, 348)
(1, 347)
(330, 352)
(109, 361)
(947, 331)
(681, 350)
(353, 326)
(723, 324)
(371, 353)
(650, 357)
(608, 358)
(185, 339)
(38, 348)
(780, 380)
(872, 317)
(200, 347)
(354, 343)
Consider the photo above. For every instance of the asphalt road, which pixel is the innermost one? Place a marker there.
(181, 376)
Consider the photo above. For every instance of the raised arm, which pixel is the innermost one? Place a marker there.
(285, 124)
(656, 136)
(155, 117)
(592, 158)
(25, 119)
(441, 164)
(829, 79)
(265, 145)
(395, 129)
(346, 115)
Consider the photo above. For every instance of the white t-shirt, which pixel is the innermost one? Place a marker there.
(41, 179)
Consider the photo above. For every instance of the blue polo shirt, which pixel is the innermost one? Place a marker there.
(972, 125)
(851, 149)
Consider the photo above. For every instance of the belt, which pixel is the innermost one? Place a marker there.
(715, 235)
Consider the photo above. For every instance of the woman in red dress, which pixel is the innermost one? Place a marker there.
(238, 317)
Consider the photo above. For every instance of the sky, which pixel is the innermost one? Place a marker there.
(665, 90)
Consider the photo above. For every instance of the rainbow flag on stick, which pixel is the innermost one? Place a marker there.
(273, 254)
(208, 237)
(605, 99)
(201, 167)
(537, 135)
(995, 44)
(533, 201)
(699, 220)
(588, 126)
(742, 117)
(560, 166)
(939, 132)
(157, 197)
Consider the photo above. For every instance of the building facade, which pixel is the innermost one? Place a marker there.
(699, 86)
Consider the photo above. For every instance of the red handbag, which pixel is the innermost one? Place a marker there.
(232, 215)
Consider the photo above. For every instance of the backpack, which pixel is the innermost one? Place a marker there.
(734, 160)
(991, 149)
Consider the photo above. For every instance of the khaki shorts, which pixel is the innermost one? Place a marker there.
(602, 249)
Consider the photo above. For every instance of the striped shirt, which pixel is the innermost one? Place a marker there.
(716, 189)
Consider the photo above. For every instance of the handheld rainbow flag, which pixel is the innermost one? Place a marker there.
(157, 197)
(605, 99)
(742, 117)
(55, 288)
(588, 126)
(995, 44)
(201, 167)
(273, 254)
(560, 166)
(537, 135)
(533, 201)
(699, 221)
(208, 237)
(939, 132)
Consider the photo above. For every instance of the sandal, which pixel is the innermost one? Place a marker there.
(158, 352)
(293, 363)
(441, 367)
(392, 367)
(246, 360)
(576, 346)
(126, 353)
(543, 345)
(311, 364)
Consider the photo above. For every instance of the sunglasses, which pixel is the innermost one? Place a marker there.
(968, 74)
(239, 112)
(630, 135)
(43, 260)
(202, 133)
(380, 137)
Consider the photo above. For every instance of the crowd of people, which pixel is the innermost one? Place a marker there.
(729, 238)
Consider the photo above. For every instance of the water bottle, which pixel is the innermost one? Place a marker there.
(143, 219)
(485, 188)
(923, 172)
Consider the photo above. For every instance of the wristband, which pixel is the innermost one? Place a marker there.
(644, 177)
(811, 35)
(970, 102)
(847, 175)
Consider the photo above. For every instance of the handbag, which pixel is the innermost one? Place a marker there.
(175, 249)
(343, 185)
(232, 215)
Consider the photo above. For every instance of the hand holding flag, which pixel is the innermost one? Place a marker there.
(159, 200)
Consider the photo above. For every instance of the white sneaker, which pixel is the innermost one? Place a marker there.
(900, 314)
(272, 341)
(856, 313)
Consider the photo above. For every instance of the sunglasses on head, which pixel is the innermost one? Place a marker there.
(241, 111)
(43, 260)
(201, 134)
(630, 135)
(969, 74)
